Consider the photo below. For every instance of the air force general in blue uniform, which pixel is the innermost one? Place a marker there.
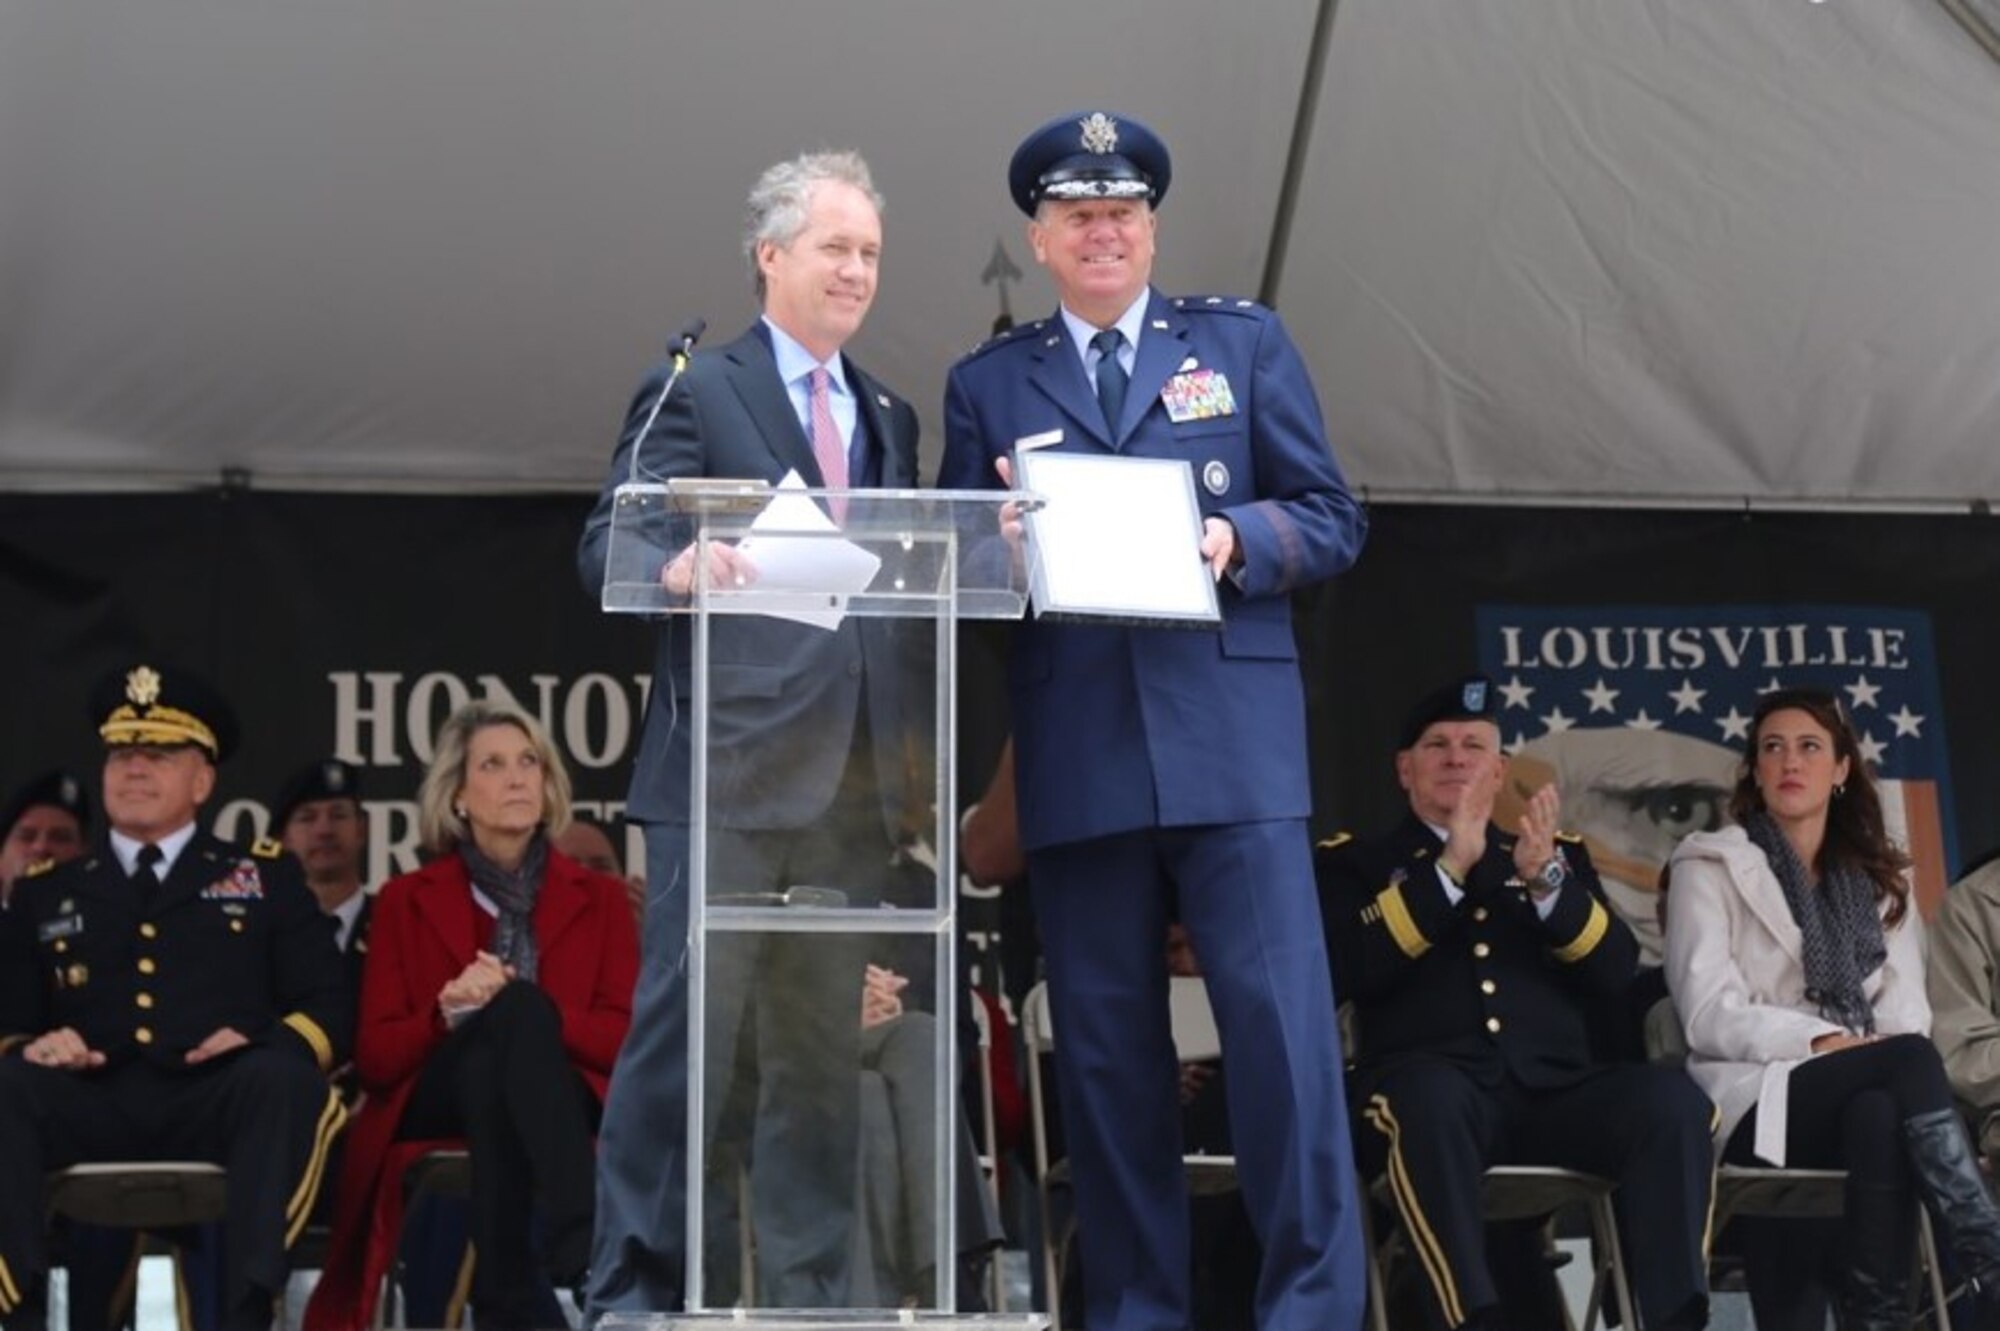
(1163, 769)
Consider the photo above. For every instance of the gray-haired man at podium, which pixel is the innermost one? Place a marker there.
(807, 779)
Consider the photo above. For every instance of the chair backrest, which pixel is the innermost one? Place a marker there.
(1666, 1041)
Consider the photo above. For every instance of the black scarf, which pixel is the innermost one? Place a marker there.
(1839, 924)
(514, 892)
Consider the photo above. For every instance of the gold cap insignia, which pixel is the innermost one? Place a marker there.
(1100, 133)
(142, 685)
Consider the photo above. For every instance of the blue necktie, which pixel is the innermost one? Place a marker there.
(1111, 377)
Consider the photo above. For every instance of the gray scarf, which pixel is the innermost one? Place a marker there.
(1839, 923)
(514, 892)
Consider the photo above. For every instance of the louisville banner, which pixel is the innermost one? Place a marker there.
(1641, 717)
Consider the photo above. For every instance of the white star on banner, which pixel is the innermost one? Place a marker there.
(1735, 725)
(1642, 722)
(1515, 692)
(1557, 722)
(1601, 698)
(1862, 691)
(1871, 749)
(1771, 687)
(1514, 745)
(1687, 698)
(1907, 723)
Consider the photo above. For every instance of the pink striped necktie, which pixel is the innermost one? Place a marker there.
(829, 449)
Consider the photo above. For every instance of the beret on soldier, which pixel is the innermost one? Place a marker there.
(1471, 698)
(326, 779)
(55, 789)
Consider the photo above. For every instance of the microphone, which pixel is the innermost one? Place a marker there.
(683, 342)
(679, 348)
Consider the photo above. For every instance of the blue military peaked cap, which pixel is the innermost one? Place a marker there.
(1089, 155)
(1471, 698)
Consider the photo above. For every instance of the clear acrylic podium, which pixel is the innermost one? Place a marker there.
(824, 1144)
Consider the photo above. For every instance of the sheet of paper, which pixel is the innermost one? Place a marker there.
(1118, 538)
(804, 573)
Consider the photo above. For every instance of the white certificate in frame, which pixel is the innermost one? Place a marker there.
(1116, 539)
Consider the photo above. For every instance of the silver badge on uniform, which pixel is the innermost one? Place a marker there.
(1215, 478)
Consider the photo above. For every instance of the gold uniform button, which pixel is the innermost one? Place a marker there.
(62, 946)
(147, 930)
(144, 1035)
(236, 926)
(1479, 914)
(146, 966)
(1493, 1024)
(144, 1000)
(1481, 951)
(1488, 987)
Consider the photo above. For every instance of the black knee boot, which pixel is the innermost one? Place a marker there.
(1949, 1180)
(1881, 1240)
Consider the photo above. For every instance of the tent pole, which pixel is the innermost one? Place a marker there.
(1295, 157)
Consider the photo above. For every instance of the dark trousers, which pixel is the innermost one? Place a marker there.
(790, 1019)
(503, 1082)
(1435, 1130)
(1246, 894)
(1846, 1112)
(266, 1115)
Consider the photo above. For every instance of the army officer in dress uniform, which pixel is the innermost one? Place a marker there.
(1472, 957)
(169, 996)
(1161, 769)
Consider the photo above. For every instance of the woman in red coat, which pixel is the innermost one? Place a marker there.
(497, 990)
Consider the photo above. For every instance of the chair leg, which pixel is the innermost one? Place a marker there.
(1378, 1299)
(1927, 1253)
(1604, 1221)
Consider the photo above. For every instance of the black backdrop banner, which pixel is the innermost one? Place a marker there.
(353, 624)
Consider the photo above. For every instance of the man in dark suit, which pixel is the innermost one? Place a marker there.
(1158, 768)
(1474, 958)
(169, 996)
(807, 779)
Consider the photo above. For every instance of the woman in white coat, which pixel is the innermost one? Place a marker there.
(1796, 963)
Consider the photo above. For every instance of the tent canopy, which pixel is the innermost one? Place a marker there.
(1630, 249)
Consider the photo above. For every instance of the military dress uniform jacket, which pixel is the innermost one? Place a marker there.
(1117, 729)
(1485, 983)
(232, 938)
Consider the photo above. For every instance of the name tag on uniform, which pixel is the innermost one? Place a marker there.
(69, 926)
(1198, 395)
(1045, 439)
(241, 883)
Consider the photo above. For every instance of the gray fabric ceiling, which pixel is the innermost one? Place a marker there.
(1623, 249)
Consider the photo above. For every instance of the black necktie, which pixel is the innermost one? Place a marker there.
(147, 875)
(1111, 377)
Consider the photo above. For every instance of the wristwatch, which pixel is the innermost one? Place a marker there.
(1550, 877)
